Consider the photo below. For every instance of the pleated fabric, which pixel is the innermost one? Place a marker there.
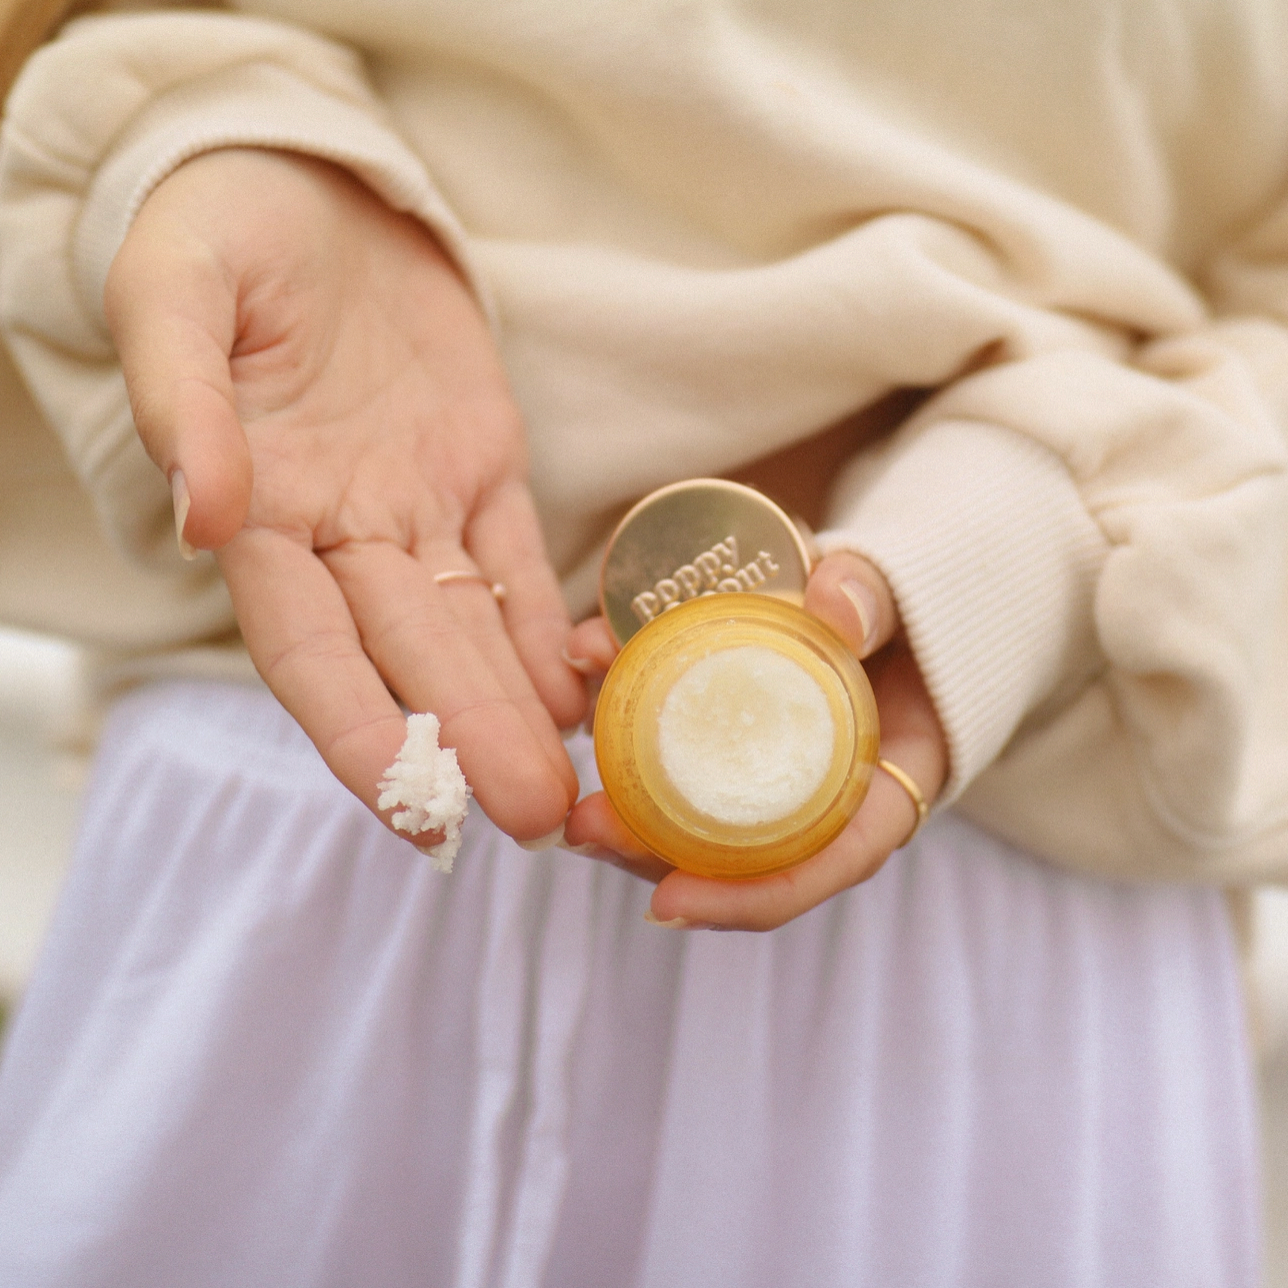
(267, 1045)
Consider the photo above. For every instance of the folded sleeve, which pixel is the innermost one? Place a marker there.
(1090, 552)
(75, 168)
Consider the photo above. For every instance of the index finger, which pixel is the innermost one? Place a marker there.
(765, 903)
(687, 901)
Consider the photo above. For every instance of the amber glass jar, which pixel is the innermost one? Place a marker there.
(736, 735)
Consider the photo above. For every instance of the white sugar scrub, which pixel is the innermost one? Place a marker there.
(427, 781)
(746, 735)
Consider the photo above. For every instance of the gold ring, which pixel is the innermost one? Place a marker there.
(914, 794)
(461, 574)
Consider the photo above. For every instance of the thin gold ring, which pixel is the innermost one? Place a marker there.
(462, 574)
(901, 777)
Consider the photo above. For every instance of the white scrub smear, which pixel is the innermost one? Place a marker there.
(745, 735)
(426, 779)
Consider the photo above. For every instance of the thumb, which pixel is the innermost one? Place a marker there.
(173, 314)
(849, 593)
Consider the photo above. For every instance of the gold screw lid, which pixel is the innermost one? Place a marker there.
(697, 538)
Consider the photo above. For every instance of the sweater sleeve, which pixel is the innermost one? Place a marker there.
(75, 168)
(1090, 553)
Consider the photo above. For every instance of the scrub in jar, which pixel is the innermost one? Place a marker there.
(736, 735)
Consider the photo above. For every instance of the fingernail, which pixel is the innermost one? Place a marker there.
(682, 923)
(438, 862)
(676, 923)
(865, 607)
(543, 842)
(589, 850)
(582, 665)
(182, 504)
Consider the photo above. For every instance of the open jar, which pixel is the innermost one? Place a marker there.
(735, 734)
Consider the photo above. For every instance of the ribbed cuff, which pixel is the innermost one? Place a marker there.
(993, 561)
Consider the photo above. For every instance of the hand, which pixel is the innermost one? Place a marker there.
(317, 382)
(911, 737)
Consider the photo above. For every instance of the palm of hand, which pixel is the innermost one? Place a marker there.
(317, 371)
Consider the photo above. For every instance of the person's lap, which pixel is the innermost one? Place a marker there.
(268, 1044)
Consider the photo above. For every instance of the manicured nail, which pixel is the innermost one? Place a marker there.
(182, 504)
(682, 923)
(865, 607)
(582, 665)
(676, 923)
(590, 850)
(544, 842)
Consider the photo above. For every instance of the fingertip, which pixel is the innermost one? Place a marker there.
(690, 902)
(212, 471)
(863, 600)
(563, 694)
(590, 647)
(580, 826)
(849, 593)
(540, 820)
(593, 821)
(531, 800)
(669, 903)
(568, 777)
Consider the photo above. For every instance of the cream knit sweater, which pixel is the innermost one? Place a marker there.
(706, 230)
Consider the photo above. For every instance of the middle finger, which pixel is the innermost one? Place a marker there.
(453, 661)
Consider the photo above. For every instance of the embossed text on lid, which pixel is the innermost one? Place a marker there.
(700, 537)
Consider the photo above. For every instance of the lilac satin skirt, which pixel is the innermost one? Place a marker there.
(268, 1045)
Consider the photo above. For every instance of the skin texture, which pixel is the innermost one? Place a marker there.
(317, 382)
